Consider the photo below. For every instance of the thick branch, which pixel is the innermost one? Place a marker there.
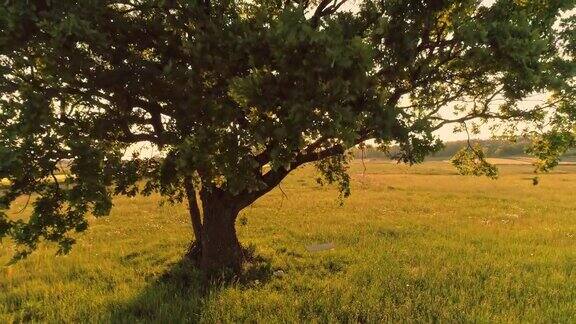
(193, 208)
(274, 177)
(325, 9)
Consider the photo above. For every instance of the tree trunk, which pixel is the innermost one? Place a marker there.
(221, 251)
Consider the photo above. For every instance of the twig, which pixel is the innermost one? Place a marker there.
(26, 205)
(283, 193)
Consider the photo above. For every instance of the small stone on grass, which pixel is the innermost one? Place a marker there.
(321, 247)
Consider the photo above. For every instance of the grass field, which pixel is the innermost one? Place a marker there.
(411, 244)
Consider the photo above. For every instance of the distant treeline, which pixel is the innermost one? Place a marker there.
(493, 149)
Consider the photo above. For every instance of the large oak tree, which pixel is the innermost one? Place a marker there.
(234, 95)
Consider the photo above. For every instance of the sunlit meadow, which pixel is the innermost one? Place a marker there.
(411, 244)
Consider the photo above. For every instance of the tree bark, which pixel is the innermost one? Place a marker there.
(221, 250)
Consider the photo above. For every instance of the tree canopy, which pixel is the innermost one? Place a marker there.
(235, 95)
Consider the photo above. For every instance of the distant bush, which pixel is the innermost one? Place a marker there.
(493, 148)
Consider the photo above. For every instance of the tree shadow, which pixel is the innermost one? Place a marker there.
(178, 289)
(180, 294)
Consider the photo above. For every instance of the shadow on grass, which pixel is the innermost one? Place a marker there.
(179, 295)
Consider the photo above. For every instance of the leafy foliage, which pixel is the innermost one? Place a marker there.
(549, 147)
(335, 170)
(237, 94)
(472, 161)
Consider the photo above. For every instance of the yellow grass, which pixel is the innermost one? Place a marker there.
(412, 244)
